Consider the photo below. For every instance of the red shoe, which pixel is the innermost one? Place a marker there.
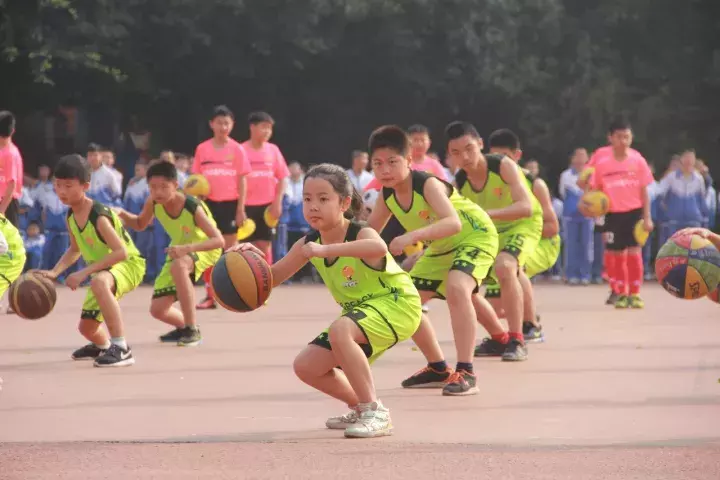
(207, 304)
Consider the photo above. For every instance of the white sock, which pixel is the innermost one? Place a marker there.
(120, 342)
(104, 346)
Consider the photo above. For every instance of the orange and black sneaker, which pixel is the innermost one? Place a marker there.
(461, 383)
(427, 378)
(207, 304)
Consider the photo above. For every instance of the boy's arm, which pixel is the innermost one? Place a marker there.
(380, 215)
(138, 222)
(551, 226)
(215, 239)
(69, 257)
(448, 222)
(521, 206)
(118, 254)
(284, 268)
(368, 246)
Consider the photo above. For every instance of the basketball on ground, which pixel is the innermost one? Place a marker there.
(594, 204)
(688, 266)
(197, 186)
(242, 281)
(32, 296)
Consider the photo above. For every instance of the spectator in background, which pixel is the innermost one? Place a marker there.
(647, 251)
(105, 185)
(43, 184)
(34, 246)
(359, 175)
(136, 194)
(297, 226)
(108, 159)
(578, 238)
(11, 166)
(532, 166)
(28, 210)
(683, 195)
(450, 169)
(182, 163)
(704, 172)
(419, 148)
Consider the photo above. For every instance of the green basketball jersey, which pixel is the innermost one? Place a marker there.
(90, 242)
(182, 229)
(420, 214)
(16, 246)
(352, 282)
(495, 194)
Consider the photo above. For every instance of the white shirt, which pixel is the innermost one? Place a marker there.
(568, 183)
(294, 190)
(360, 181)
(104, 177)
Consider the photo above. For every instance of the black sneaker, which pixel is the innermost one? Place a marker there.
(461, 383)
(490, 348)
(532, 333)
(115, 356)
(88, 352)
(427, 378)
(173, 336)
(612, 299)
(515, 352)
(190, 337)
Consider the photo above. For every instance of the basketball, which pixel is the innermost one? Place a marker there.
(688, 266)
(594, 204)
(32, 296)
(197, 186)
(242, 281)
(715, 295)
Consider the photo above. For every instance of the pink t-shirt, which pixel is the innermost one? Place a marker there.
(268, 169)
(222, 167)
(605, 152)
(11, 168)
(429, 165)
(622, 181)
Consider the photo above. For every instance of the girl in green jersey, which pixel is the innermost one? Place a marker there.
(380, 305)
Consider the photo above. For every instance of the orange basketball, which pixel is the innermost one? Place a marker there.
(32, 296)
(242, 281)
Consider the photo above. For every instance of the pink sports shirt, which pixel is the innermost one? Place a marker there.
(222, 167)
(268, 169)
(622, 181)
(11, 168)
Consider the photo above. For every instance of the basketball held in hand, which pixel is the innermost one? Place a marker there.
(242, 281)
(32, 296)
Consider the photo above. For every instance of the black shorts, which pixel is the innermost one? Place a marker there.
(13, 213)
(224, 214)
(619, 230)
(262, 232)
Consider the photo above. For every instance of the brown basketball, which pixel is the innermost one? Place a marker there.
(242, 281)
(32, 296)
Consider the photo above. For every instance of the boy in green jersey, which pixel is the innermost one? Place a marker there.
(380, 306)
(195, 245)
(497, 184)
(462, 243)
(506, 142)
(113, 265)
(12, 248)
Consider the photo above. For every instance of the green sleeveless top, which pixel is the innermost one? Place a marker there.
(90, 242)
(352, 282)
(182, 229)
(495, 194)
(420, 214)
(16, 246)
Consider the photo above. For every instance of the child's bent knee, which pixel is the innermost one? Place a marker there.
(179, 267)
(100, 283)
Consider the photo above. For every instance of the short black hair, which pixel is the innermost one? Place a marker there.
(619, 123)
(260, 117)
(95, 147)
(7, 123)
(222, 111)
(162, 169)
(73, 167)
(417, 128)
(389, 136)
(456, 130)
(504, 138)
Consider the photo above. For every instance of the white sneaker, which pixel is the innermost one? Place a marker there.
(374, 421)
(344, 421)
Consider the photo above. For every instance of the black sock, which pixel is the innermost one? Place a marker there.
(468, 367)
(440, 366)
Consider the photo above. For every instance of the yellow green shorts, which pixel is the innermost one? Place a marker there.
(11, 267)
(520, 241)
(475, 256)
(128, 275)
(385, 321)
(164, 283)
(544, 257)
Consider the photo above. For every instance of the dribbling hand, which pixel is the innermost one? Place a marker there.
(49, 274)
(398, 244)
(243, 247)
(701, 232)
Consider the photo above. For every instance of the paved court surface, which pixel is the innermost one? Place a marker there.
(610, 395)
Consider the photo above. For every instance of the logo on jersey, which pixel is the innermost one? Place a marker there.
(90, 242)
(426, 215)
(498, 192)
(348, 273)
(186, 231)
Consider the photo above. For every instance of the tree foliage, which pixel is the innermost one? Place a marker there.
(331, 70)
